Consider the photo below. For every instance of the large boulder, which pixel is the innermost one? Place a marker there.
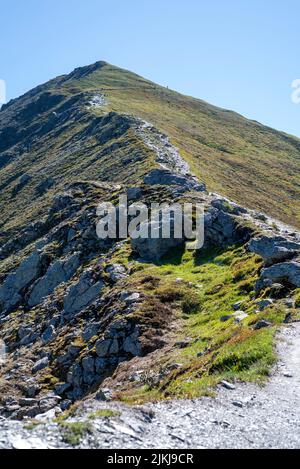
(285, 273)
(59, 272)
(274, 249)
(16, 282)
(80, 295)
(222, 228)
(164, 177)
(116, 272)
(155, 246)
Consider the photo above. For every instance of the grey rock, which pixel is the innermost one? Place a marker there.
(240, 316)
(24, 331)
(273, 249)
(132, 345)
(10, 290)
(153, 247)
(164, 177)
(30, 412)
(103, 394)
(30, 338)
(226, 317)
(40, 365)
(28, 402)
(49, 403)
(130, 298)
(228, 385)
(114, 348)
(134, 193)
(223, 229)
(88, 364)
(287, 272)
(263, 304)
(48, 335)
(116, 272)
(101, 365)
(289, 303)
(59, 272)
(32, 390)
(75, 376)
(80, 295)
(237, 305)
(262, 324)
(102, 347)
(90, 331)
(66, 404)
(61, 388)
(227, 205)
(238, 404)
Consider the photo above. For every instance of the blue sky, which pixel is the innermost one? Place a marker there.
(238, 54)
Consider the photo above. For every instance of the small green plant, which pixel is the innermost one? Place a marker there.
(73, 432)
(191, 303)
(103, 413)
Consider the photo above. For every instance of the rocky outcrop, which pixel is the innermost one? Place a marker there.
(16, 282)
(116, 272)
(285, 273)
(274, 249)
(165, 177)
(81, 294)
(119, 343)
(59, 272)
(153, 247)
(223, 228)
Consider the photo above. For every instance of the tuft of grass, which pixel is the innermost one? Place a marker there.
(104, 413)
(191, 303)
(74, 432)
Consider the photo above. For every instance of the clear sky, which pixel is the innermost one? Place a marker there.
(238, 54)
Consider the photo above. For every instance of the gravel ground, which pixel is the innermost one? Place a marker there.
(245, 417)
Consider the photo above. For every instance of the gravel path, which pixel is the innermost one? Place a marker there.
(245, 417)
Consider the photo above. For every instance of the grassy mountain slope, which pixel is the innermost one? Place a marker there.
(242, 159)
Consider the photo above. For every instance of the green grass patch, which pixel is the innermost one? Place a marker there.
(104, 413)
(74, 432)
(204, 286)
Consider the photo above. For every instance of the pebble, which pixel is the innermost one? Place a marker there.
(228, 385)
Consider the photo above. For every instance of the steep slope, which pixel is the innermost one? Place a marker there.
(133, 319)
